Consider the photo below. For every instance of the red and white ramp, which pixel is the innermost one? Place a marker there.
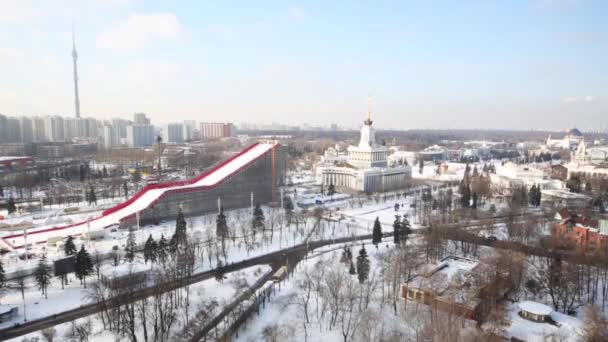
(142, 200)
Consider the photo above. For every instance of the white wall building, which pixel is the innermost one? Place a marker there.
(365, 167)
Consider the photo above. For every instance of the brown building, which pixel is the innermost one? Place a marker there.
(446, 287)
(580, 233)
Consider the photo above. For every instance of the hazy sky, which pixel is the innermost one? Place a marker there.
(428, 64)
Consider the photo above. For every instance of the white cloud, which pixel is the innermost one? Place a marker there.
(296, 12)
(589, 98)
(139, 29)
(572, 99)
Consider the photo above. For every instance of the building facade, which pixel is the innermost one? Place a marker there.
(211, 130)
(365, 168)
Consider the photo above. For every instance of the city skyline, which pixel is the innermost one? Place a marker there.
(532, 64)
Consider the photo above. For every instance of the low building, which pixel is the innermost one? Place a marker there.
(534, 311)
(8, 312)
(446, 288)
(580, 233)
(564, 198)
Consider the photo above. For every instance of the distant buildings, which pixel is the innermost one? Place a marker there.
(140, 133)
(211, 130)
(174, 133)
(569, 142)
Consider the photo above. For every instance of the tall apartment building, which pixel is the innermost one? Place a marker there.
(141, 119)
(173, 133)
(53, 127)
(39, 129)
(110, 137)
(189, 128)
(216, 130)
(26, 128)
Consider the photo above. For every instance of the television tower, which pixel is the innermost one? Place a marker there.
(75, 58)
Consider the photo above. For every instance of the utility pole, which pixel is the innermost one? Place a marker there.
(159, 141)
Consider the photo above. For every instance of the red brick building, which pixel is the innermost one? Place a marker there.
(580, 233)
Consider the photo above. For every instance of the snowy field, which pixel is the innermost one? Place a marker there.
(202, 292)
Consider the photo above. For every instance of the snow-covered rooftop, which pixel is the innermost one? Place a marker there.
(535, 308)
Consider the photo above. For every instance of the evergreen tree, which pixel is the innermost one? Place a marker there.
(10, 206)
(130, 246)
(362, 265)
(288, 209)
(83, 266)
(125, 189)
(331, 189)
(420, 166)
(465, 194)
(180, 236)
(150, 249)
(43, 275)
(221, 226)
(1, 191)
(474, 205)
(397, 229)
(532, 195)
(69, 248)
(377, 232)
(2, 275)
(92, 196)
(351, 268)
(104, 172)
(405, 230)
(588, 187)
(258, 218)
(163, 250)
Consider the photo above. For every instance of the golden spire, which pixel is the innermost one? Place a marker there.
(368, 121)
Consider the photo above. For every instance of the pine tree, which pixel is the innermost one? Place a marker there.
(351, 268)
(474, 205)
(221, 226)
(125, 189)
(150, 250)
(162, 251)
(397, 229)
(1, 191)
(2, 274)
(92, 196)
(83, 266)
(10, 206)
(43, 275)
(405, 230)
(258, 218)
(69, 248)
(420, 166)
(130, 246)
(180, 236)
(331, 189)
(377, 232)
(532, 195)
(362, 265)
(288, 209)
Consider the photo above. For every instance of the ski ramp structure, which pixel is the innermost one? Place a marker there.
(251, 176)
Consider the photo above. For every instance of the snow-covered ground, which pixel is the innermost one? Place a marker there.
(205, 291)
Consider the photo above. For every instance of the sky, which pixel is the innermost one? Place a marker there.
(517, 64)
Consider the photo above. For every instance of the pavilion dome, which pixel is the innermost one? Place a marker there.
(575, 132)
